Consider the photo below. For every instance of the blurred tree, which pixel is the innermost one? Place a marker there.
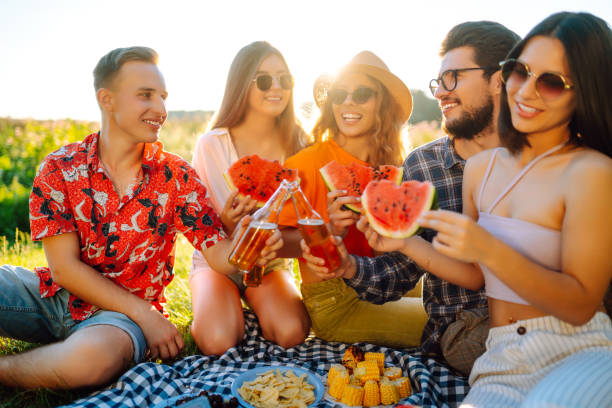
(424, 108)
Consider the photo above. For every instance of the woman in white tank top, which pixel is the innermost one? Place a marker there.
(537, 224)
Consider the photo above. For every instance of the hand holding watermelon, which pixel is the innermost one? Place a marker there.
(339, 217)
(354, 177)
(236, 207)
(379, 242)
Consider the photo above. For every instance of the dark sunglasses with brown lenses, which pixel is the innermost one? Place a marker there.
(360, 95)
(548, 85)
(264, 81)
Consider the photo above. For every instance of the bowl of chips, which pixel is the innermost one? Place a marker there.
(278, 386)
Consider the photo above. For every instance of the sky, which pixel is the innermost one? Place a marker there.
(48, 49)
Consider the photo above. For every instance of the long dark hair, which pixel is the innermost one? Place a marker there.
(587, 41)
(234, 104)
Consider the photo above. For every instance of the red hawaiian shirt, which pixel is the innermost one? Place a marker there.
(130, 240)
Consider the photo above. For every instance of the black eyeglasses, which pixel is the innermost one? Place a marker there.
(548, 85)
(360, 95)
(448, 79)
(264, 81)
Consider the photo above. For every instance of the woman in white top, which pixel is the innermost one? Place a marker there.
(256, 117)
(537, 224)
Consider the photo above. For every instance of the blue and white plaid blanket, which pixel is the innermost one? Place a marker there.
(147, 384)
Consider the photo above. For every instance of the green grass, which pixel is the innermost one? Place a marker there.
(23, 252)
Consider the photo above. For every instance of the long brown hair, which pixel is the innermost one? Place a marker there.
(387, 147)
(234, 103)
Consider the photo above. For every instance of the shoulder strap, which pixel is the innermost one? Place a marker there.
(486, 175)
(522, 173)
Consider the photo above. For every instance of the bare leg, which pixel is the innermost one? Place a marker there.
(218, 322)
(92, 356)
(280, 310)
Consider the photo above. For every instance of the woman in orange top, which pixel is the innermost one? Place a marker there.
(362, 113)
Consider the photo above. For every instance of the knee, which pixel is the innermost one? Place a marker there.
(289, 332)
(98, 361)
(215, 341)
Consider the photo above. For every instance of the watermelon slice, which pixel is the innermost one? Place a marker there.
(257, 178)
(354, 178)
(393, 210)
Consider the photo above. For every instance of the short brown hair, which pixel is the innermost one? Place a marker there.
(490, 41)
(108, 66)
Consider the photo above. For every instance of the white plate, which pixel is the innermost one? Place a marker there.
(250, 375)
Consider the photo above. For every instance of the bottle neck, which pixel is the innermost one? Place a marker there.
(271, 210)
(303, 209)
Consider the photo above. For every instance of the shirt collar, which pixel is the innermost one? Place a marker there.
(90, 144)
(451, 158)
(151, 155)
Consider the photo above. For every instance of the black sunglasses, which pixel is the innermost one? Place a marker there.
(448, 79)
(548, 85)
(360, 95)
(264, 81)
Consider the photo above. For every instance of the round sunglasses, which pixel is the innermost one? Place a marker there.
(360, 95)
(264, 81)
(548, 85)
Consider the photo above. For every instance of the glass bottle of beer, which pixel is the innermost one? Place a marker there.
(314, 230)
(253, 238)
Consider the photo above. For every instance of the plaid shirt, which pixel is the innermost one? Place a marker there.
(130, 239)
(387, 277)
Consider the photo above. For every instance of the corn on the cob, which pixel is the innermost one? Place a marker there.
(378, 357)
(388, 392)
(355, 380)
(393, 372)
(352, 356)
(403, 386)
(371, 394)
(352, 395)
(367, 370)
(337, 386)
(334, 371)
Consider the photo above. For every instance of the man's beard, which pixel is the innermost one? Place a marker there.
(471, 123)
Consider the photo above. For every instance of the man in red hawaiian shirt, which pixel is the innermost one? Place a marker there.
(108, 210)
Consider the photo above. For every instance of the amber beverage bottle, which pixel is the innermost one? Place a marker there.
(314, 230)
(253, 238)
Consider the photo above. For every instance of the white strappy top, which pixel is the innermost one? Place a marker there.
(540, 244)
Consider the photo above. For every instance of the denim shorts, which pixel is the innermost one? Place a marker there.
(24, 315)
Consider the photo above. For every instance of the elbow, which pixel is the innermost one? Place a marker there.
(582, 317)
(58, 270)
(475, 283)
(56, 275)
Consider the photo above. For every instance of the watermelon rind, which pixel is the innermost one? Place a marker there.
(408, 230)
(356, 208)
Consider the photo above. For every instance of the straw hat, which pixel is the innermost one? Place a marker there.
(366, 62)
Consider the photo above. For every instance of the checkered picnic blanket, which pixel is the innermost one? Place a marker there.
(147, 384)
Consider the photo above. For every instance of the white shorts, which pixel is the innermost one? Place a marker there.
(527, 364)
